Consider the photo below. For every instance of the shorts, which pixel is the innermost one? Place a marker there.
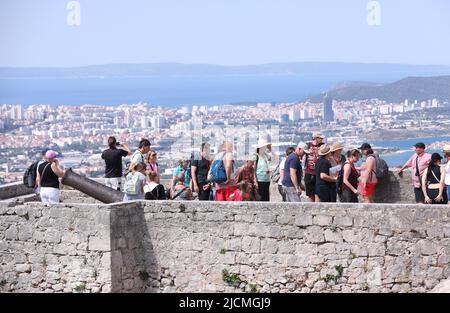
(114, 183)
(418, 194)
(49, 194)
(291, 194)
(433, 193)
(203, 195)
(369, 189)
(326, 193)
(310, 185)
(282, 192)
(224, 194)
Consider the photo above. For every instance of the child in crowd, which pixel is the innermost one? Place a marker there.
(243, 192)
(180, 188)
(153, 190)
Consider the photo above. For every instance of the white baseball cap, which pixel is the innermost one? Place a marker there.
(304, 146)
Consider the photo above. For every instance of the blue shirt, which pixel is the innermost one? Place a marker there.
(292, 161)
(180, 170)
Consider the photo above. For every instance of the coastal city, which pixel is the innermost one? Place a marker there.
(79, 133)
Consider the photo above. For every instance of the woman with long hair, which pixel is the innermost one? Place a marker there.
(350, 177)
(433, 181)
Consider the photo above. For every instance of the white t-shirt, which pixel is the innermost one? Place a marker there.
(447, 174)
(141, 181)
(281, 169)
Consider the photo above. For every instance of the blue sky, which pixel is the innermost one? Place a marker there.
(228, 32)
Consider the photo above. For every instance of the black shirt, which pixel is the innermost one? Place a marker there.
(202, 170)
(322, 166)
(113, 160)
(48, 177)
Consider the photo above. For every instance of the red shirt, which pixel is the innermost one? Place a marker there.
(311, 159)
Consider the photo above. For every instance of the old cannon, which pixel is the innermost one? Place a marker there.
(92, 188)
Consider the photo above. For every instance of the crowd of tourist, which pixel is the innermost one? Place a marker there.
(312, 171)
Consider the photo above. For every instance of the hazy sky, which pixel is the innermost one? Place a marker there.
(228, 32)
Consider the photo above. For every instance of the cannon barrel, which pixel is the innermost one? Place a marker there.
(92, 188)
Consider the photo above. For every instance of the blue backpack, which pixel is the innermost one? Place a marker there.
(218, 174)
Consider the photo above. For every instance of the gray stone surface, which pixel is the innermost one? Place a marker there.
(44, 249)
(185, 247)
(14, 190)
(442, 287)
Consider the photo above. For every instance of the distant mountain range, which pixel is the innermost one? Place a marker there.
(343, 71)
(174, 84)
(412, 88)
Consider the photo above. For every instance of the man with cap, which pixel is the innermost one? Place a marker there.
(310, 164)
(48, 174)
(418, 163)
(325, 183)
(293, 173)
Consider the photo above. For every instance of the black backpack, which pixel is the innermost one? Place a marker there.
(30, 175)
(382, 169)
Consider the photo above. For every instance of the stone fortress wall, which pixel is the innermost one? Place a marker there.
(169, 246)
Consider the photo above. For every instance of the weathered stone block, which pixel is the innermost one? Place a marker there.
(99, 244)
(322, 220)
(11, 233)
(427, 247)
(53, 236)
(332, 236)
(304, 220)
(315, 234)
(285, 219)
(327, 248)
(286, 247)
(343, 221)
(269, 245)
(23, 268)
(251, 244)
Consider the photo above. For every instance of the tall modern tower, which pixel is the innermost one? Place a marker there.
(328, 114)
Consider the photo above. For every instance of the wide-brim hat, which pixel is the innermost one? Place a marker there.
(336, 147)
(446, 148)
(262, 143)
(318, 135)
(324, 150)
